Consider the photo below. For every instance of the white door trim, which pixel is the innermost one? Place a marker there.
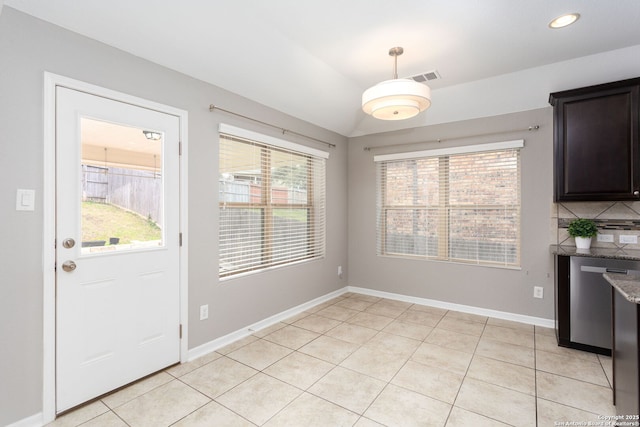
(48, 206)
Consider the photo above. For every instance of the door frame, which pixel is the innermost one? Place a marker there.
(51, 81)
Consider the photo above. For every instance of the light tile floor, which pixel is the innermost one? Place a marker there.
(363, 361)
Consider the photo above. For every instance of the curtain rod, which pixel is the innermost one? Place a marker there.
(529, 129)
(213, 107)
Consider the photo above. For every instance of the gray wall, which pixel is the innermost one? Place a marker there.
(491, 288)
(28, 47)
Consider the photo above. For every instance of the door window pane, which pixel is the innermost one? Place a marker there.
(122, 197)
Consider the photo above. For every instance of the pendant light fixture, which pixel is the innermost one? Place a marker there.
(396, 99)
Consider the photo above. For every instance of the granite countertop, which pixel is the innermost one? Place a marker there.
(627, 284)
(611, 253)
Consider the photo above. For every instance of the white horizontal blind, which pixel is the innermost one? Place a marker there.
(462, 207)
(272, 205)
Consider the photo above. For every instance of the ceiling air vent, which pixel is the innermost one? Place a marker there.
(425, 77)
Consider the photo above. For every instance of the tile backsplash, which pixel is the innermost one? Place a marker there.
(615, 218)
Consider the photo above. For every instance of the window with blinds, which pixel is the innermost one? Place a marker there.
(272, 202)
(460, 204)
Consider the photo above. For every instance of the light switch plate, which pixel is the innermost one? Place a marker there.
(608, 238)
(25, 200)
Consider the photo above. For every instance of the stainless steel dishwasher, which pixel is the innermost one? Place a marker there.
(590, 295)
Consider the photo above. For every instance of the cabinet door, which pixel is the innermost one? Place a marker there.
(596, 145)
(625, 355)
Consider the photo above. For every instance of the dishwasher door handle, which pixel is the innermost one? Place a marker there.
(602, 270)
(617, 270)
(590, 269)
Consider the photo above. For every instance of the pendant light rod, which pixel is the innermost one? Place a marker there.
(395, 52)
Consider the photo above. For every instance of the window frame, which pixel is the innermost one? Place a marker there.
(315, 242)
(443, 208)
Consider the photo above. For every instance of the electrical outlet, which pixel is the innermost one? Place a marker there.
(628, 238)
(538, 292)
(340, 271)
(607, 238)
(204, 312)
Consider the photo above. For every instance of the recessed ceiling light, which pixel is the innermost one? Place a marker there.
(564, 20)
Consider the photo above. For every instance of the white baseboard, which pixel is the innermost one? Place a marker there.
(32, 421)
(214, 345)
(505, 315)
(218, 343)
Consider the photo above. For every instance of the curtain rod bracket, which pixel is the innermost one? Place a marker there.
(283, 130)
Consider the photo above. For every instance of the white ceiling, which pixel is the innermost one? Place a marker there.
(312, 59)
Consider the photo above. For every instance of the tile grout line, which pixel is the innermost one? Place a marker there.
(453, 405)
(303, 391)
(605, 371)
(213, 399)
(394, 375)
(404, 364)
(316, 381)
(336, 365)
(198, 408)
(538, 398)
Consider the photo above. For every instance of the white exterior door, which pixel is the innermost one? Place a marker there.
(117, 244)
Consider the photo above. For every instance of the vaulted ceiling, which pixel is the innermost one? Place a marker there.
(312, 59)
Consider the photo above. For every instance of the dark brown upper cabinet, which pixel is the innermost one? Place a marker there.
(596, 142)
